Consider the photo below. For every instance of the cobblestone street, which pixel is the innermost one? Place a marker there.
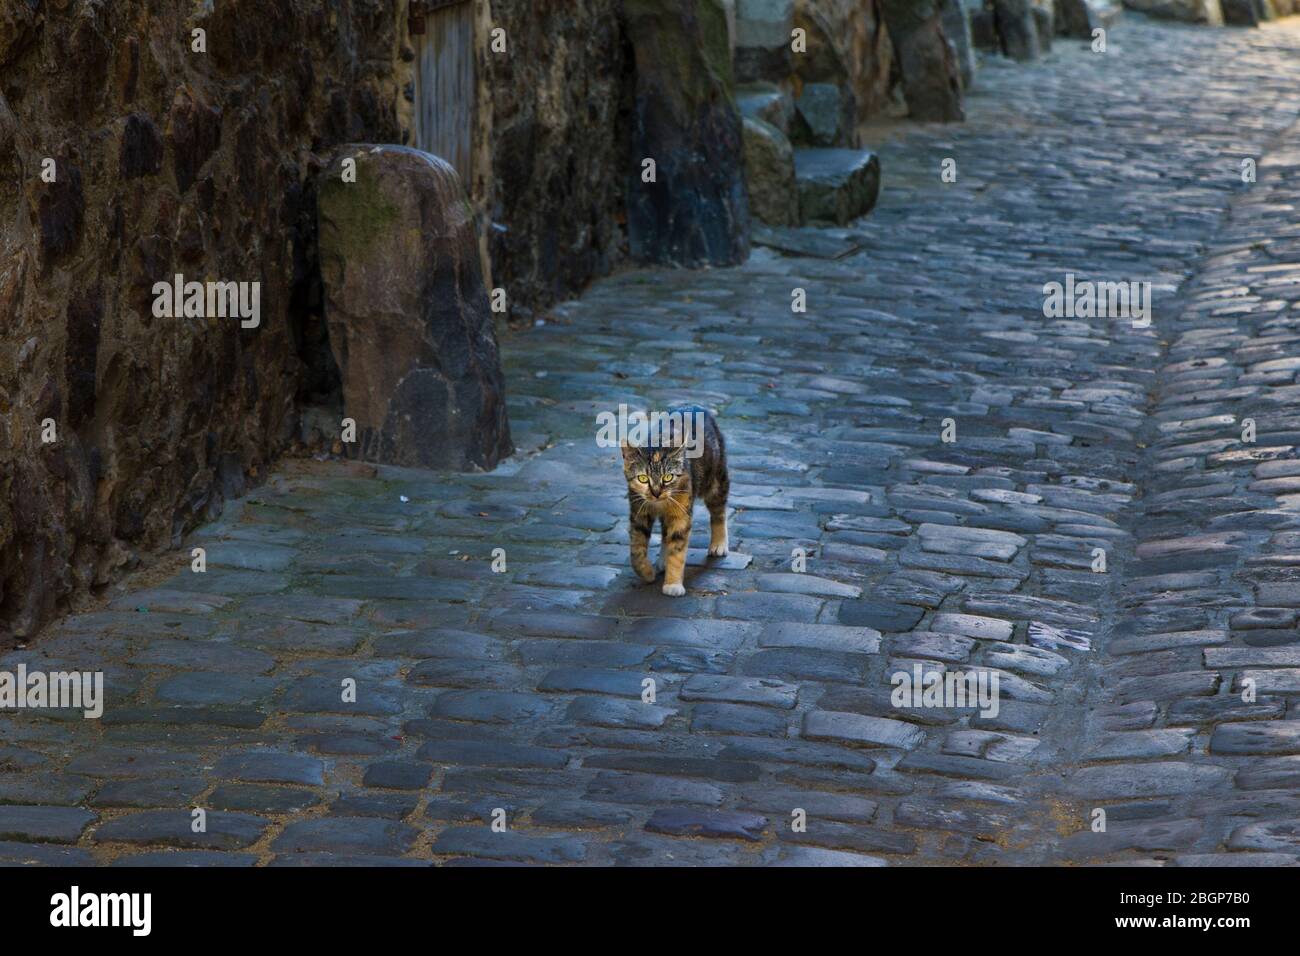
(1164, 690)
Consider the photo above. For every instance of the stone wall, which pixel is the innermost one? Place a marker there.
(169, 160)
(166, 160)
(557, 130)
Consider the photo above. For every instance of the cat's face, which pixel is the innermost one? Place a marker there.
(657, 474)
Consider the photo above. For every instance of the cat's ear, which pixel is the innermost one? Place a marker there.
(629, 453)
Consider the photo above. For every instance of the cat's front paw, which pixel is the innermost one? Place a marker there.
(674, 590)
(718, 550)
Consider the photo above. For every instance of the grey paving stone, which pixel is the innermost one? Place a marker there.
(1235, 859)
(1145, 779)
(929, 814)
(580, 814)
(491, 753)
(973, 626)
(111, 761)
(1136, 744)
(691, 633)
(497, 707)
(783, 803)
(161, 791)
(596, 681)
(722, 770)
(270, 767)
(723, 824)
(1272, 836)
(441, 642)
(879, 615)
(397, 775)
(827, 637)
(223, 831)
(807, 664)
(345, 860)
(802, 856)
(766, 692)
(481, 841)
(806, 584)
(1271, 774)
(611, 787)
(1257, 737)
(321, 695)
(554, 624)
(648, 849)
(349, 836)
(358, 745)
(441, 672)
(42, 854)
(185, 858)
(44, 789)
(1212, 709)
(588, 653)
(255, 798)
(762, 606)
(43, 824)
(738, 719)
(860, 730)
(606, 712)
(854, 838)
(214, 688)
(390, 806)
(1158, 835)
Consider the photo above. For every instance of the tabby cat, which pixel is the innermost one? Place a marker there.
(663, 483)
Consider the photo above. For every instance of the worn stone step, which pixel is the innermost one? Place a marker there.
(836, 185)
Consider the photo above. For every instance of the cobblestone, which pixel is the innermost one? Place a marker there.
(351, 683)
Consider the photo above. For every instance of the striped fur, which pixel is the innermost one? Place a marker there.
(662, 485)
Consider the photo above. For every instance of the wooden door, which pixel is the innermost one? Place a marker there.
(444, 86)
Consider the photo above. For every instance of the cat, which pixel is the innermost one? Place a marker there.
(663, 482)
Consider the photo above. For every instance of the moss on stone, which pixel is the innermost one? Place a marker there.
(355, 212)
(715, 42)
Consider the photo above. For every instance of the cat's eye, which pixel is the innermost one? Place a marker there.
(643, 478)
(668, 478)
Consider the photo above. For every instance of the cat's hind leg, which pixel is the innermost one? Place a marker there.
(716, 502)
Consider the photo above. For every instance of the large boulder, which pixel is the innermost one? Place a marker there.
(956, 27)
(1189, 11)
(763, 38)
(983, 27)
(823, 116)
(695, 211)
(1243, 13)
(1017, 28)
(766, 102)
(927, 62)
(1045, 22)
(836, 185)
(409, 319)
(769, 167)
(1078, 18)
(847, 45)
